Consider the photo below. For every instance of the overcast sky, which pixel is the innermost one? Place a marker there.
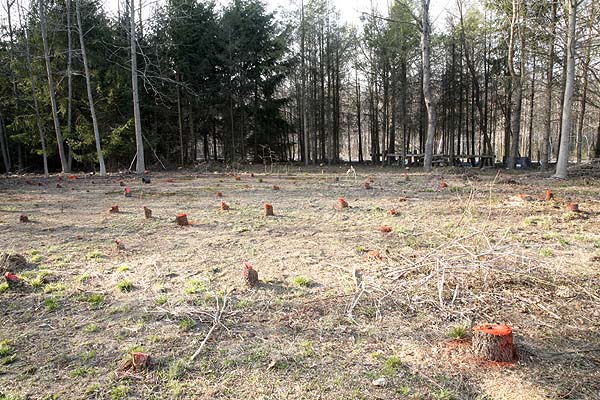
(350, 10)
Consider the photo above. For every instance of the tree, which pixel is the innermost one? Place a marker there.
(545, 156)
(59, 139)
(427, 89)
(88, 85)
(139, 140)
(563, 155)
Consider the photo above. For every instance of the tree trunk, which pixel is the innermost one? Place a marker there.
(88, 85)
(517, 86)
(359, 121)
(531, 108)
(4, 146)
(586, 64)
(69, 83)
(36, 106)
(139, 140)
(305, 153)
(59, 138)
(545, 159)
(563, 157)
(427, 91)
(180, 124)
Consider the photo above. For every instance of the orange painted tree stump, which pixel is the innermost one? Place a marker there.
(342, 203)
(147, 212)
(23, 218)
(574, 207)
(114, 209)
(494, 343)
(127, 191)
(181, 220)
(268, 210)
(224, 206)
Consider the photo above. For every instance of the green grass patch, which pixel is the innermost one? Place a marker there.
(95, 300)
(50, 304)
(194, 286)
(123, 268)
(301, 281)
(186, 324)
(93, 255)
(161, 300)
(125, 285)
(391, 365)
(457, 332)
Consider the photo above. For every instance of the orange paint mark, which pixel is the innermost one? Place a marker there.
(342, 203)
(385, 229)
(493, 329)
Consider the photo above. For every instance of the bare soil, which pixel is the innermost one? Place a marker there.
(340, 303)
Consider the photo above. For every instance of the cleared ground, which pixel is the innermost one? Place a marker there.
(330, 315)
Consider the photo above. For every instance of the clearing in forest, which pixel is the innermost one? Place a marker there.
(370, 301)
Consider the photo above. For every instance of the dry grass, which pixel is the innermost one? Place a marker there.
(326, 318)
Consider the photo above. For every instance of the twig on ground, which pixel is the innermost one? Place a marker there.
(216, 322)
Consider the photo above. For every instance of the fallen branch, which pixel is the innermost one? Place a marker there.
(216, 322)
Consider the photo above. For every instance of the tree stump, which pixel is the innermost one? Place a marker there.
(342, 203)
(219, 194)
(574, 207)
(127, 191)
(147, 212)
(367, 185)
(268, 210)
(114, 209)
(548, 195)
(23, 218)
(275, 187)
(250, 275)
(224, 206)
(121, 183)
(12, 280)
(494, 343)
(181, 220)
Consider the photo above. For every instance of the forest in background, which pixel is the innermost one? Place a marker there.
(508, 78)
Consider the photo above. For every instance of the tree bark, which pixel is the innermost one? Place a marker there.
(139, 140)
(545, 159)
(586, 64)
(69, 84)
(36, 106)
(563, 157)
(88, 85)
(427, 91)
(59, 138)
(517, 86)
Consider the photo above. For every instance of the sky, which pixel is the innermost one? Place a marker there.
(350, 10)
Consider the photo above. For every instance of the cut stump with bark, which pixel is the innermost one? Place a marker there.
(268, 210)
(127, 191)
(574, 207)
(114, 209)
(341, 203)
(494, 343)
(23, 218)
(224, 206)
(147, 212)
(181, 220)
